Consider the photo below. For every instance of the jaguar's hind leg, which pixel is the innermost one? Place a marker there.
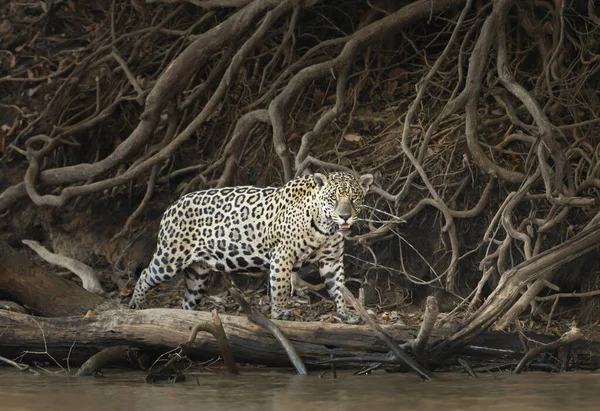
(159, 271)
(196, 277)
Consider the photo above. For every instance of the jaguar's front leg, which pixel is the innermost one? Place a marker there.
(280, 283)
(331, 268)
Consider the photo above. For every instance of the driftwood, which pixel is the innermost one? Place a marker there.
(88, 276)
(160, 330)
(45, 293)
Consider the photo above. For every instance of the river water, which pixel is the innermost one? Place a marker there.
(264, 390)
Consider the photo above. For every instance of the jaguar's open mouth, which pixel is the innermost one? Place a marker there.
(343, 227)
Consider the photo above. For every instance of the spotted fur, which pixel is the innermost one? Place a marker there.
(249, 229)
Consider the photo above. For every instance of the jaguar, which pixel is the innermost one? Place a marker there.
(253, 229)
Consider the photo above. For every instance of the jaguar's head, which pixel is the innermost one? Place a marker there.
(342, 196)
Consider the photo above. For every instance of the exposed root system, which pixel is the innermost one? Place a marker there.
(479, 119)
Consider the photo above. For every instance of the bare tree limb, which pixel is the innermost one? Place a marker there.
(87, 275)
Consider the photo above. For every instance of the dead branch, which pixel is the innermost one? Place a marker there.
(512, 281)
(216, 329)
(569, 295)
(543, 123)
(398, 352)
(105, 358)
(470, 95)
(572, 335)
(140, 208)
(387, 26)
(87, 275)
(162, 330)
(20, 367)
(429, 320)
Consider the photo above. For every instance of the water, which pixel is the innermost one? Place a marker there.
(263, 390)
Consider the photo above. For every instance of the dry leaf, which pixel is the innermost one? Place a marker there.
(66, 62)
(34, 90)
(355, 138)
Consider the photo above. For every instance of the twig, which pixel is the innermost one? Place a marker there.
(467, 368)
(569, 295)
(129, 74)
(20, 367)
(383, 359)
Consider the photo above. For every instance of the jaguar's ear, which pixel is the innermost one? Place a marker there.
(365, 181)
(320, 179)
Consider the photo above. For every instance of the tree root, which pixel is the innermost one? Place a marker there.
(495, 153)
(510, 284)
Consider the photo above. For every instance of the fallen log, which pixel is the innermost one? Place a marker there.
(45, 293)
(159, 330)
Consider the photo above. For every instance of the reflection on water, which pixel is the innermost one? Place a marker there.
(261, 390)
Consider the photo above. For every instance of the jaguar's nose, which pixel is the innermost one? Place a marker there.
(345, 217)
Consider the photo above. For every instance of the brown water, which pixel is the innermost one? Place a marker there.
(119, 390)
